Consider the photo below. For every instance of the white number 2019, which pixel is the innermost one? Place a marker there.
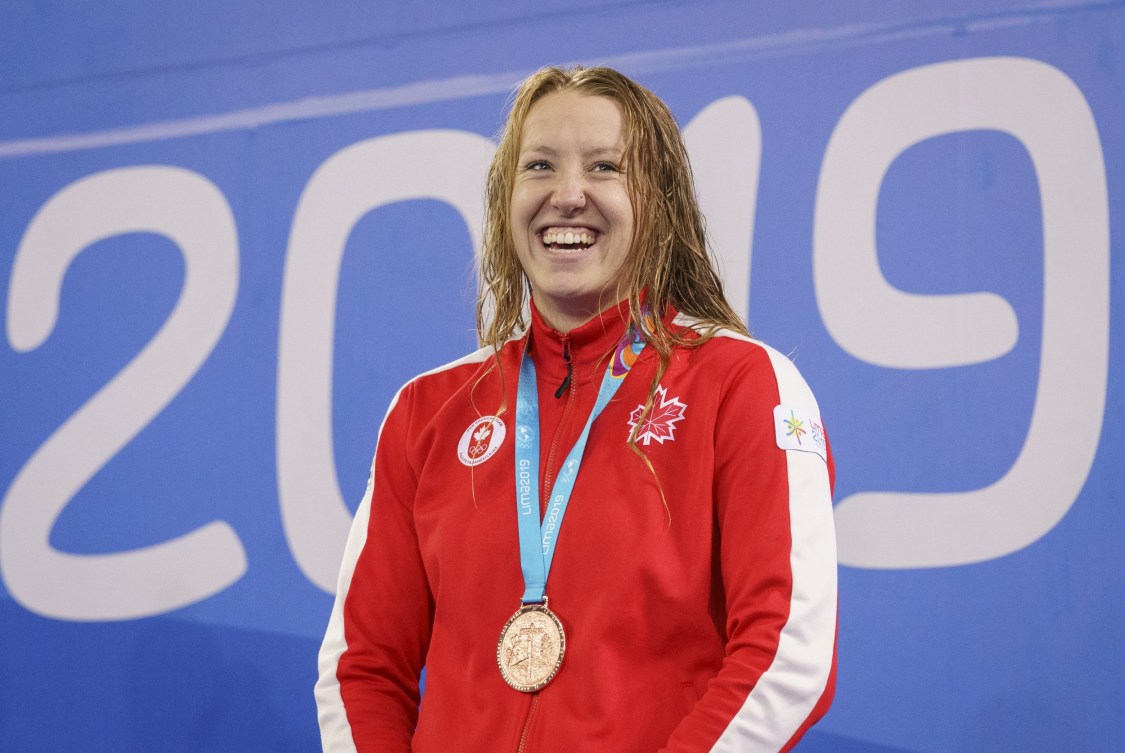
(866, 316)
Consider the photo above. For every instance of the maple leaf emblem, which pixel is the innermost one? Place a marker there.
(480, 445)
(660, 423)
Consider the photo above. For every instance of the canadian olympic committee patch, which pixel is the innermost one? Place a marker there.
(481, 440)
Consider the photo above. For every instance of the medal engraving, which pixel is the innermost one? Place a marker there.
(531, 648)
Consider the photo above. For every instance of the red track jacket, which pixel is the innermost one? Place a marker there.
(698, 596)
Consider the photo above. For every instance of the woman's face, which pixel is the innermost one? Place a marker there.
(571, 219)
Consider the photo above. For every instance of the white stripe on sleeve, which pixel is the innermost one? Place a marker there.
(788, 691)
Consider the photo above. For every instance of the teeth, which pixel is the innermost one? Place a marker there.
(567, 237)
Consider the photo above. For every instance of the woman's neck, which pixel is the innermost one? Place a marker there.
(564, 318)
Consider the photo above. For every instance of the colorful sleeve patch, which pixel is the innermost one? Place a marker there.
(798, 429)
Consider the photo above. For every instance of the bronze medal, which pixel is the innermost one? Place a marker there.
(531, 648)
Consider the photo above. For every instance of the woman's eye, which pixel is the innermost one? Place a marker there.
(605, 167)
(537, 165)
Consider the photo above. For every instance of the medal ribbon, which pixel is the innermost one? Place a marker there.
(538, 538)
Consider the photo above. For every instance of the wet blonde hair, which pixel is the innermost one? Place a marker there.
(669, 262)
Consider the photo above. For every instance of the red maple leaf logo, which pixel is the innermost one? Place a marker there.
(660, 423)
(480, 445)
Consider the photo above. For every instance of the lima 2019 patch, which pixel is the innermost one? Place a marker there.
(798, 429)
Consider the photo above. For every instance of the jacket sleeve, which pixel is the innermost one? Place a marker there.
(777, 566)
(375, 646)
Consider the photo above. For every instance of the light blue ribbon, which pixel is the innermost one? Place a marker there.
(538, 538)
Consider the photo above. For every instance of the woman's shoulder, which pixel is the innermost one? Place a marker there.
(742, 358)
(449, 377)
(725, 343)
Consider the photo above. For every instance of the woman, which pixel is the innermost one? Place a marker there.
(689, 601)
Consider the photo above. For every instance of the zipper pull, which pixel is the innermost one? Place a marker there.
(569, 369)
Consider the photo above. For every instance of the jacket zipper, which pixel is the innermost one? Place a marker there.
(549, 470)
(527, 723)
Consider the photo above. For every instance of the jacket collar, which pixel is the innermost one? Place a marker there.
(589, 346)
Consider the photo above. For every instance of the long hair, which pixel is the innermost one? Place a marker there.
(669, 262)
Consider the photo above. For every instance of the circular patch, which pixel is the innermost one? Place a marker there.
(481, 440)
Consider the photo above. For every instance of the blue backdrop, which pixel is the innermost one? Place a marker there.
(229, 232)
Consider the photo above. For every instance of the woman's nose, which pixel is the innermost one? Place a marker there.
(570, 193)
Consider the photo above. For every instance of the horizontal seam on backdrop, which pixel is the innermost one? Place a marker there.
(468, 86)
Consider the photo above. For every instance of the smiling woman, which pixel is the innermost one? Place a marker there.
(689, 602)
(571, 216)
